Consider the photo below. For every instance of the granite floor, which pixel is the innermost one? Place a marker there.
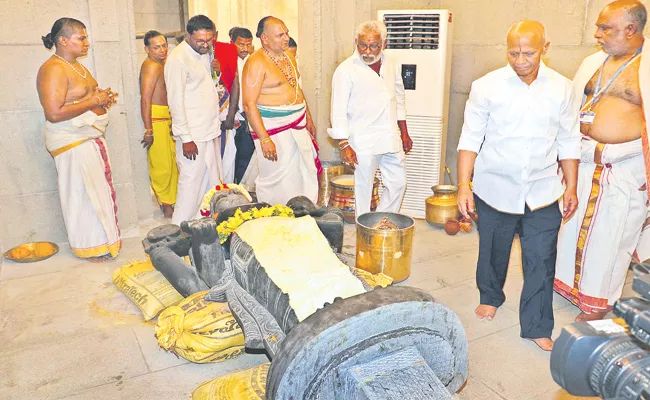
(67, 333)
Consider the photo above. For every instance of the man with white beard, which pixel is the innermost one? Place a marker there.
(369, 118)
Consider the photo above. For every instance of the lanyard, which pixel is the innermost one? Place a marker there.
(598, 92)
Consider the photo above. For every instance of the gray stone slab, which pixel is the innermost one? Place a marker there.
(68, 320)
(474, 389)
(38, 16)
(470, 62)
(156, 358)
(463, 299)
(25, 165)
(513, 367)
(84, 279)
(104, 24)
(54, 368)
(22, 85)
(484, 22)
(171, 383)
(563, 19)
(32, 217)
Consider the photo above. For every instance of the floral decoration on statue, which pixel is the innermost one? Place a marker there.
(227, 227)
(205, 203)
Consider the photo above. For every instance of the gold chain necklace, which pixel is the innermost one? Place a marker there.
(85, 74)
(287, 71)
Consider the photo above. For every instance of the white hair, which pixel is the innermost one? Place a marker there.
(372, 26)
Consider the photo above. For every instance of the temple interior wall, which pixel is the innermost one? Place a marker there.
(324, 30)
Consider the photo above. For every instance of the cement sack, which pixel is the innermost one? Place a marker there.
(200, 331)
(249, 384)
(146, 287)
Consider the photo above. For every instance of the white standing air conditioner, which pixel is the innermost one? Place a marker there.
(420, 40)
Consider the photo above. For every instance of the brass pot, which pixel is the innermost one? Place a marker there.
(442, 205)
(388, 251)
(342, 196)
(331, 169)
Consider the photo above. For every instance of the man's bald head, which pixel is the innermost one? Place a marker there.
(634, 11)
(526, 46)
(619, 28)
(273, 34)
(532, 29)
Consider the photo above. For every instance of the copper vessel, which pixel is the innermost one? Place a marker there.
(342, 196)
(388, 251)
(442, 205)
(331, 169)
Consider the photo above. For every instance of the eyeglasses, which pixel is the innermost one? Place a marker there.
(372, 46)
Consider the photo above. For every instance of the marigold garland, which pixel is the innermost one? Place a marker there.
(227, 227)
(205, 203)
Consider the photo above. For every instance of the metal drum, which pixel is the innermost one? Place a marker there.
(331, 169)
(442, 205)
(388, 251)
(342, 196)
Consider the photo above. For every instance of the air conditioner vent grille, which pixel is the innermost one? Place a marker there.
(412, 31)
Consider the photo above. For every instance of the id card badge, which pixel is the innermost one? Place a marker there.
(587, 117)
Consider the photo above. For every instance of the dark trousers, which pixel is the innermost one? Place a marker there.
(245, 149)
(538, 231)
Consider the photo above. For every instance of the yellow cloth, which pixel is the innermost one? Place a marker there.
(299, 260)
(249, 384)
(200, 331)
(163, 171)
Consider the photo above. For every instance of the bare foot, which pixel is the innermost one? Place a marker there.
(584, 317)
(484, 311)
(545, 344)
(167, 210)
(100, 259)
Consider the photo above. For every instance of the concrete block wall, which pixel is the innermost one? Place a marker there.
(29, 199)
(161, 15)
(480, 28)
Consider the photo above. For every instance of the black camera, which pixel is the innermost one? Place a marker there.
(609, 358)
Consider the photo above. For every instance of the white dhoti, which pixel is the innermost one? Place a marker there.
(229, 154)
(595, 247)
(85, 184)
(393, 177)
(196, 177)
(295, 173)
(643, 248)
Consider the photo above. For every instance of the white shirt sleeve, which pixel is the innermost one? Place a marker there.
(475, 121)
(568, 136)
(400, 95)
(175, 76)
(341, 91)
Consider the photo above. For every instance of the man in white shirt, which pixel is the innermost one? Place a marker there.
(194, 108)
(518, 121)
(369, 119)
(242, 38)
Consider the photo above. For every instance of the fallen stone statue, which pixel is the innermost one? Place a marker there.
(328, 333)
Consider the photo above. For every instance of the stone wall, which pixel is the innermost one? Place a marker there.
(479, 28)
(29, 200)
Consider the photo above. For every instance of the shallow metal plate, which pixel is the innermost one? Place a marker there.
(32, 258)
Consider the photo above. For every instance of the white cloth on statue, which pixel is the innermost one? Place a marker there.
(519, 132)
(393, 177)
(366, 106)
(295, 172)
(85, 184)
(196, 177)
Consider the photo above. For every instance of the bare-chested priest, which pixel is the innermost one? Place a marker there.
(157, 139)
(280, 120)
(76, 120)
(595, 249)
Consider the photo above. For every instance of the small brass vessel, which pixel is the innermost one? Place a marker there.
(442, 205)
